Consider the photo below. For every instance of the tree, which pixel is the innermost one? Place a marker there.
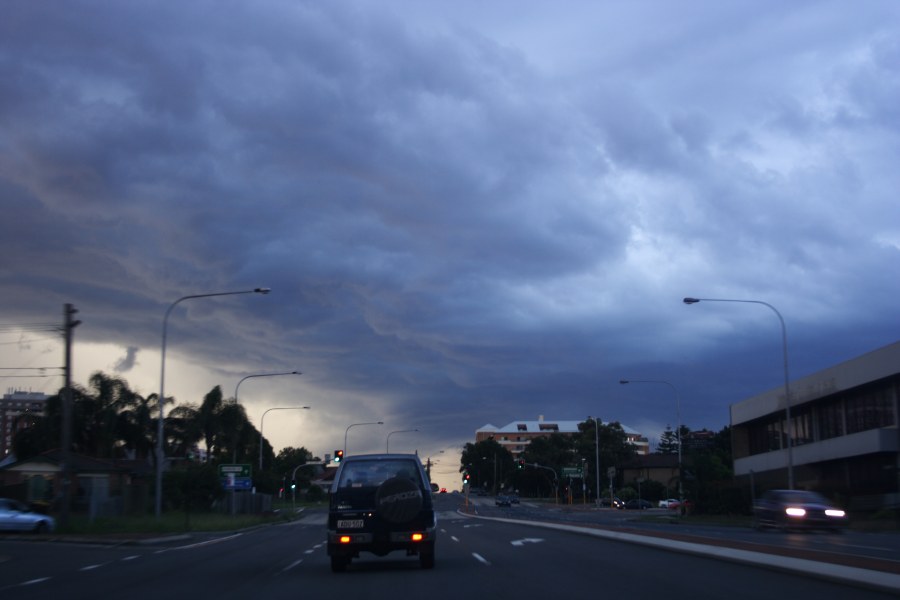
(489, 464)
(208, 417)
(554, 451)
(235, 431)
(668, 442)
(709, 477)
(192, 487)
(283, 466)
(109, 420)
(615, 450)
(183, 429)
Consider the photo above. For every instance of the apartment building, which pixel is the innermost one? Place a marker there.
(516, 435)
(15, 407)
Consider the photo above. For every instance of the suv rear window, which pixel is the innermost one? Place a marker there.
(362, 473)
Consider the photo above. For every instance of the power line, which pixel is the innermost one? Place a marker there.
(14, 327)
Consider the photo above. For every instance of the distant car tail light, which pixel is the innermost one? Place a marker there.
(833, 512)
(795, 512)
(344, 539)
(417, 537)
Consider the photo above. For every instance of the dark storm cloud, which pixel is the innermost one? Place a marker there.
(467, 215)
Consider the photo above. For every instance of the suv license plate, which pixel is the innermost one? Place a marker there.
(350, 523)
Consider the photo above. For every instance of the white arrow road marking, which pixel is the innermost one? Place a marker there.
(524, 541)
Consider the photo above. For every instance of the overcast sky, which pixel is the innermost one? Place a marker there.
(467, 214)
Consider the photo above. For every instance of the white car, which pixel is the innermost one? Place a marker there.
(15, 516)
(669, 503)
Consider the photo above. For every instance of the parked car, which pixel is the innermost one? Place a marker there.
(787, 509)
(15, 516)
(380, 503)
(637, 504)
(503, 500)
(606, 502)
(514, 498)
(669, 503)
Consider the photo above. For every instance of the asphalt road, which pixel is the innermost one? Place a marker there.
(475, 558)
(871, 545)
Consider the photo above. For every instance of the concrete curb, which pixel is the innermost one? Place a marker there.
(876, 580)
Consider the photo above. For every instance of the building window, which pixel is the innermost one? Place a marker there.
(870, 409)
(523, 427)
(803, 427)
(831, 420)
(764, 436)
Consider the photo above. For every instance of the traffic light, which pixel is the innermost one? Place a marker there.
(466, 477)
(338, 456)
(520, 464)
(293, 484)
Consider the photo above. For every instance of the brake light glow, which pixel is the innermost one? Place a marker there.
(344, 539)
(417, 537)
(792, 511)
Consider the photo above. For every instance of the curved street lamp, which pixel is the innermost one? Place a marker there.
(387, 444)
(261, 425)
(678, 436)
(787, 390)
(160, 451)
(264, 413)
(355, 425)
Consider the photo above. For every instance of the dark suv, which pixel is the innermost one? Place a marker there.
(380, 503)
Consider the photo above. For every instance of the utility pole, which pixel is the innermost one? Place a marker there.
(67, 472)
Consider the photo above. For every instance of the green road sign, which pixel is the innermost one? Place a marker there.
(234, 470)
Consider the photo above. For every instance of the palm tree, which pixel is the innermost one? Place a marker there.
(235, 428)
(184, 427)
(208, 419)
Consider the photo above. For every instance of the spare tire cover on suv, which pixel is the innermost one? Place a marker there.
(398, 500)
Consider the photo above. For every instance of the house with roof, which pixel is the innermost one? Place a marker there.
(100, 487)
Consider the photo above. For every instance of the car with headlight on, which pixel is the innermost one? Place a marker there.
(380, 503)
(797, 509)
(15, 516)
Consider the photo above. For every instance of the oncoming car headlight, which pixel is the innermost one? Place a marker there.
(793, 511)
(834, 512)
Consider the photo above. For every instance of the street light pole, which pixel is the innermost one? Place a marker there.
(597, 455)
(264, 413)
(263, 418)
(160, 452)
(387, 444)
(787, 390)
(354, 425)
(678, 436)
